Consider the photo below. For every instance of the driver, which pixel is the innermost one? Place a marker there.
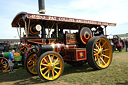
(99, 31)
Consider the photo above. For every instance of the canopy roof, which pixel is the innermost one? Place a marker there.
(49, 20)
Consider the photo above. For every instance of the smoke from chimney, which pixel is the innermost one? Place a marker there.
(41, 6)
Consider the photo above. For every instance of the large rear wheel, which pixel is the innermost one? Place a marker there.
(50, 65)
(99, 52)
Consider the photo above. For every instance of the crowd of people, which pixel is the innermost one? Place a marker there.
(120, 45)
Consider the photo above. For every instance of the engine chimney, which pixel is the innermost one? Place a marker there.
(41, 6)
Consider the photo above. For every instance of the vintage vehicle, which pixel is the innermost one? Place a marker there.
(4, 62)
(49, 41)
(52, 49)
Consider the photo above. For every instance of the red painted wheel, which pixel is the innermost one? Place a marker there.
(3, 64)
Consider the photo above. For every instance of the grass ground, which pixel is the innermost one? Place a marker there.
(116, 74)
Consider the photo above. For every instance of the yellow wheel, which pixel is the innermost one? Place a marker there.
(31, 63)
(50, 65)
(99, 52)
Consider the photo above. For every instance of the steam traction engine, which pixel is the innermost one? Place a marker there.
(53, 43)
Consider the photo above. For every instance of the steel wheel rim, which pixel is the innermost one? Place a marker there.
(102, 53)
(51, 66)
(4, 65)
(32, 63)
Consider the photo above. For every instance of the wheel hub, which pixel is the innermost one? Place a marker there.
(100, 51)
(51, 66)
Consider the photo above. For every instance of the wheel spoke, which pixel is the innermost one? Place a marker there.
(102, 60)
(1, 60)
(106, 50)
(45, 60)
(96, 49)
(33, 69)
(30, 59)
(56, 60)
(52, 58)
(96, 46)
(49, 58)
(105, 56)
(4, 66)
(96, 58)
(22, 48)
(4, 62)
(43, 68)
(57, 63)
(53, 73)
(30, 62)
(95, 54)
(46, 72)
(57, 68)
(34, 57)
(103, 44)
(98, 61)
(99, 43)
(45, 64)
(31, 66)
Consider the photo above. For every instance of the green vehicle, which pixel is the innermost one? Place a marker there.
(4, 56)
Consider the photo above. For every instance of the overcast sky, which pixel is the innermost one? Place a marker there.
(113, 11)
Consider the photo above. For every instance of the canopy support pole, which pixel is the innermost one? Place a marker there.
(26, 31)
(105, 30)
(57, 29)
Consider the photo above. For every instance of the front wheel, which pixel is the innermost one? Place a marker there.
(50, 65)
(99, 52)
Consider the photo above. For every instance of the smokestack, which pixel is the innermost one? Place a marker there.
(41, 6)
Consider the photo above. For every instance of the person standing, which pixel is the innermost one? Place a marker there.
(126, 43)
(119, 46)
(99, 31)
(112, 44)
(11, 59)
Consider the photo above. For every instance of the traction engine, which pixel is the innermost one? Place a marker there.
(52, 42)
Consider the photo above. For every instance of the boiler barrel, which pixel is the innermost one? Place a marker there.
(4, 54)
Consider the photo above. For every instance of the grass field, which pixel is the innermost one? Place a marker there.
(116, 74)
